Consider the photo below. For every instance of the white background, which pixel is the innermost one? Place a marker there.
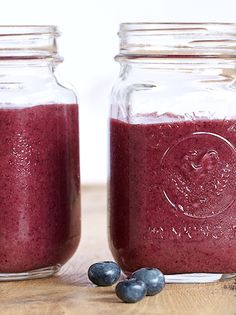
(89, 43)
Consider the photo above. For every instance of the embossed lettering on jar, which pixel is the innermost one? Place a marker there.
(172, 198)
(39, 155)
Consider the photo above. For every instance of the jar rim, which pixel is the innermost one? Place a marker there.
(193, 39)
(147, 25)
(12, 30)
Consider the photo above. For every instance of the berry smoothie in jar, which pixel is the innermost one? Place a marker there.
(172, 196)
(39, 154)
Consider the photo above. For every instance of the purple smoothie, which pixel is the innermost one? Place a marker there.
(173, 195)
(39, 186)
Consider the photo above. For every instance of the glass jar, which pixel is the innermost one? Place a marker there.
(39, 156)
(172, 200)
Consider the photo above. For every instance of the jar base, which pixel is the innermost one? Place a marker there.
(198, 277)
(32, 274)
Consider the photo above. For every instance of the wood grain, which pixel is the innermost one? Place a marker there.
(71, 293)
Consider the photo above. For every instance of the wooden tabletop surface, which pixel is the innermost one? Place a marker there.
(71, 293)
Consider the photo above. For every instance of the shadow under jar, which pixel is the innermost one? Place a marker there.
(39, 156)
(172, 199)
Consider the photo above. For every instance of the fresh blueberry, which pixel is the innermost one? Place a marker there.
(104, 273)
(131, 290)
(152, 277)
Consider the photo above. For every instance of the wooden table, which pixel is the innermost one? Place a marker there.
(71, 293)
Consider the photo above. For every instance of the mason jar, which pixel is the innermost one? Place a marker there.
(172, 199)
(39, 156)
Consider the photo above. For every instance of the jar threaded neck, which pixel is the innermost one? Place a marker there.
(176, 40)
(29, 42)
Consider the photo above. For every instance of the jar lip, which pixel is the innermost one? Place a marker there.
(12, 30)
(194, 39)
(137, 26)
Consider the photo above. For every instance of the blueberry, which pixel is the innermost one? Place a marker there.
(104, 273)
(131, 290)
(152, 277)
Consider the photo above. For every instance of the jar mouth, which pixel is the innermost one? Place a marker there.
(29, 42)
(168, 39)
(12, 30)
(172, 25)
